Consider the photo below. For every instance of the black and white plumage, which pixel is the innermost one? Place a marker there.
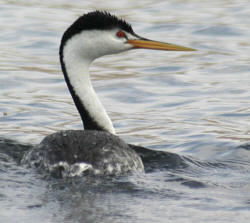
(78, 152)
(96, 149)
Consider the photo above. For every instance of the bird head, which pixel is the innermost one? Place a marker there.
(99, 33)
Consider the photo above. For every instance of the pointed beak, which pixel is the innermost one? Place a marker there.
(155, 45)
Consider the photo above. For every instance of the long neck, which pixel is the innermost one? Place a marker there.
(76, 74)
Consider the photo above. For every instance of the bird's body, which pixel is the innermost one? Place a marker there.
(77, 152)
(96, 149)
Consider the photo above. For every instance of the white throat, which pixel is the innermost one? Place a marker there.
(78, 53)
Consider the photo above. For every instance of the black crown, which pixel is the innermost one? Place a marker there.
(96, 20)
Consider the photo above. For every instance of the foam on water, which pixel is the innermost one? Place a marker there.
(67, 170)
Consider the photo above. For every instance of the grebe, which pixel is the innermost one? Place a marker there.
(96, 149)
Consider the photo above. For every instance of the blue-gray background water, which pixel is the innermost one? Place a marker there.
(194, 104)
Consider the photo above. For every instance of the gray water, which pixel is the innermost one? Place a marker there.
(193, 104)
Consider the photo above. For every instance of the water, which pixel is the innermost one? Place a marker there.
(195, 105)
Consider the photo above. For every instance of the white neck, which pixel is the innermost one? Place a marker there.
(76, 62)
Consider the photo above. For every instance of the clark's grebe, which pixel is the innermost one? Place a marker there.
(96, 149)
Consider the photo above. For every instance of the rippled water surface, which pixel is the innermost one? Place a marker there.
(194, 104)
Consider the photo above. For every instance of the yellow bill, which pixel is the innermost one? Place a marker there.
(155, 45)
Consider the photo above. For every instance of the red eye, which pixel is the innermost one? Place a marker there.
(120, 34)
